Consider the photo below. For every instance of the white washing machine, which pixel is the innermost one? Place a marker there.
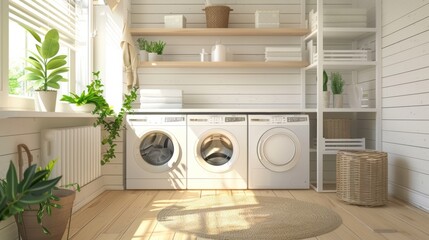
(156, 152)
(217, 151)
(279, 152)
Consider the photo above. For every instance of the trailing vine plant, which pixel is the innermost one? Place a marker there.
(111, 122)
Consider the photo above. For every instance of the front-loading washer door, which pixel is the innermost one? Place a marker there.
(157, 151)
(279, 149)
(216, 150)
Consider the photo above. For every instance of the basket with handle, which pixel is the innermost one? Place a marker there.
(217, 16)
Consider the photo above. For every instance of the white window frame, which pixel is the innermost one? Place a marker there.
(13, 102)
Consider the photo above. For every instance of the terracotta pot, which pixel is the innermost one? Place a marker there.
(45, 101)
(56, 223)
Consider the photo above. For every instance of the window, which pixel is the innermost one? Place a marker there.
(70, 17)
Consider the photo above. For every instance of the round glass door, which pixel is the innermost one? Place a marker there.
(157, 151)
(216, 150)
(279, 149)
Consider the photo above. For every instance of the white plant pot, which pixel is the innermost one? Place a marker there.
(45, 101)
(143, 55)
(338, 100)
(326, 99)
(153, 57)
(87, 108)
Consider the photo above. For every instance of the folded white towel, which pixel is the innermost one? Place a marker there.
(151, 99)
(161, 92)
(160, 105)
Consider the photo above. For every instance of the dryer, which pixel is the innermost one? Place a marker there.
(279, 152)
(156, 152)
(217, 151)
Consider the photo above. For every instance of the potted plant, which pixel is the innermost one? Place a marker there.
(41, 210)
(106, 116)
(326, 93)
(142, 44)
(337, 87)
(45, 69)
(155, 50)
(89, 99)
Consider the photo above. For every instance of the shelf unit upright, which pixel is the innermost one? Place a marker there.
(352, 35)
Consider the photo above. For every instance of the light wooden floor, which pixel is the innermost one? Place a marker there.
(132, 215)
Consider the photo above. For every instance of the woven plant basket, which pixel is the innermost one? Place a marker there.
(217, 16)
(362, 177)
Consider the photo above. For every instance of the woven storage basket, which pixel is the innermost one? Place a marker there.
(362, 177)
(217, 16)
(336, 128)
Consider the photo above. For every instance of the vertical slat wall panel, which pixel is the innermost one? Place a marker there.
(404, 98)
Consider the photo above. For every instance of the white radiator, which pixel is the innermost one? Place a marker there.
(78, 150)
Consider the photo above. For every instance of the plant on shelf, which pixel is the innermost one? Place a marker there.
(326, 94)
(143, 45)
(111, 122)
(325, 81)
(155, 49)
(337, 87)
(46, 69)
(92, 96)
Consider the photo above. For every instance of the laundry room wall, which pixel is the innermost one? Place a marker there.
(405, 113)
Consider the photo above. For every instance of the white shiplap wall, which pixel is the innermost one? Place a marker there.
(405, 114)
(223, 88)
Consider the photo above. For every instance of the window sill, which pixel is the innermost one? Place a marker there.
(34, 114)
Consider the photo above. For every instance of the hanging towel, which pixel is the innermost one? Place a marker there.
(130, 60)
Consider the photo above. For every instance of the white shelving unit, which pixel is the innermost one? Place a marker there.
(354, 38)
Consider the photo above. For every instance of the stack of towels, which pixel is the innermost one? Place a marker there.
(160, 98)
(283, 54)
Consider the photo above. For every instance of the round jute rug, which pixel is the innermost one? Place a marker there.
(249, 217)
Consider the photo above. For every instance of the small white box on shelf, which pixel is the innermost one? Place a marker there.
(267, 19)
(174, 21)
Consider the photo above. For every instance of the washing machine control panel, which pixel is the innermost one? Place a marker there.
(278, 120)
(217, 119)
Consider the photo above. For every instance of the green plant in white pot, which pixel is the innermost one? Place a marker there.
(155, 50)
(337, 87)
(45, 69)
(142, 44)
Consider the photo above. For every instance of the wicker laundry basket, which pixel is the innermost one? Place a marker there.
(217, 16)
(362, 177)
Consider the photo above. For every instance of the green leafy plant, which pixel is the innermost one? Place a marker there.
(34, 188)
(325, 81)
(156, 47)
(111, 122)
(337, 83)
(46, 66)
(93, 94)
(142, 43)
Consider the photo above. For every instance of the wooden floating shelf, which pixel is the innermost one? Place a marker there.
(219, 31)
(178, 64)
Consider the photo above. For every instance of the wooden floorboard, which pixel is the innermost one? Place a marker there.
(132, 215)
